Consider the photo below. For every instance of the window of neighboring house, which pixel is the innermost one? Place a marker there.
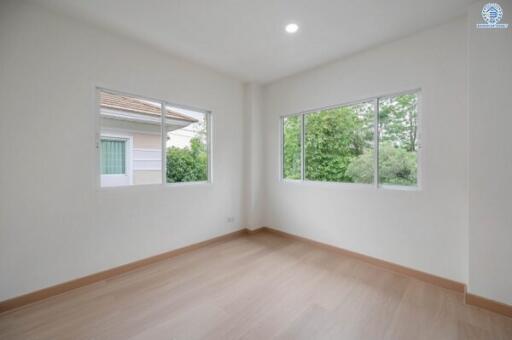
(113, 157)
(134, 131)
(372, 141)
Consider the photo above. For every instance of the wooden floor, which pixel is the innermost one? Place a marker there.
(260, 286)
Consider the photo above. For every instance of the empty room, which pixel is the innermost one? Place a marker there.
(273, 169)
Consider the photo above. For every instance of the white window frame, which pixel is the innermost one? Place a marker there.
(97, 109)
(376, 143)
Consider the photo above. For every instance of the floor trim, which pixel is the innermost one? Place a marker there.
(459, 287)
(45, 293)
(426, 277)
(494, 306)
(469, 299)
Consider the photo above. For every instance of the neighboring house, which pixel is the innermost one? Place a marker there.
(130, 143)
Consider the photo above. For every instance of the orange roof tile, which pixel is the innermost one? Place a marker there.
(131, 104)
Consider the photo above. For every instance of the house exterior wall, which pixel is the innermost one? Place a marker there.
(143, 154)
(147, 177)
(147, 141)
(147, 159)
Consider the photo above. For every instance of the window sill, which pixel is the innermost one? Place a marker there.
(154, 186)
(400, 187)
(186, 184)
(356, 186)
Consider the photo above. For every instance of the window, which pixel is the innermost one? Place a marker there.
(370, 142)
(144, 141)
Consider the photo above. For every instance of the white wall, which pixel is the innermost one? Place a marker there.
(426, 229)
(55, 225)
(490, 157)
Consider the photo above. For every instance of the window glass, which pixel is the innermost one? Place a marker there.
(292, 131)
(338, 144)
(186, 145)
(131, 142)
(398, 140)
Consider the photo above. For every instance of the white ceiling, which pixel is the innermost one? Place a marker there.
(246, 38)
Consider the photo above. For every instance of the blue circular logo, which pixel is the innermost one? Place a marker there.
(492, 13)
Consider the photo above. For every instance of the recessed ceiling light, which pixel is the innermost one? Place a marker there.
(292, 28)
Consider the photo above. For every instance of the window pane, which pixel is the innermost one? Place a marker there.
(131, 147)
(338, 144)
(186, 145)
(113, 157)
(398, 140)
(292, 147)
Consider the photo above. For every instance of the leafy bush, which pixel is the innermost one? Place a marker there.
(396, 166)
(360, 169)
(189, 164)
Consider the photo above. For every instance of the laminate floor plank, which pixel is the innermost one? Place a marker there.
(259, 286)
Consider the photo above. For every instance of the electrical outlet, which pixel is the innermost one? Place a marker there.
(231, 219)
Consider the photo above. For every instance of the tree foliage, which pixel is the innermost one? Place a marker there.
(333, 138)
(398, 121)
(188, 164)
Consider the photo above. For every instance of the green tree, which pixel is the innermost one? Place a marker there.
(398, 121)
(188, 164)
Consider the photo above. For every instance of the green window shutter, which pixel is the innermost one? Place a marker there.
(113, 157)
